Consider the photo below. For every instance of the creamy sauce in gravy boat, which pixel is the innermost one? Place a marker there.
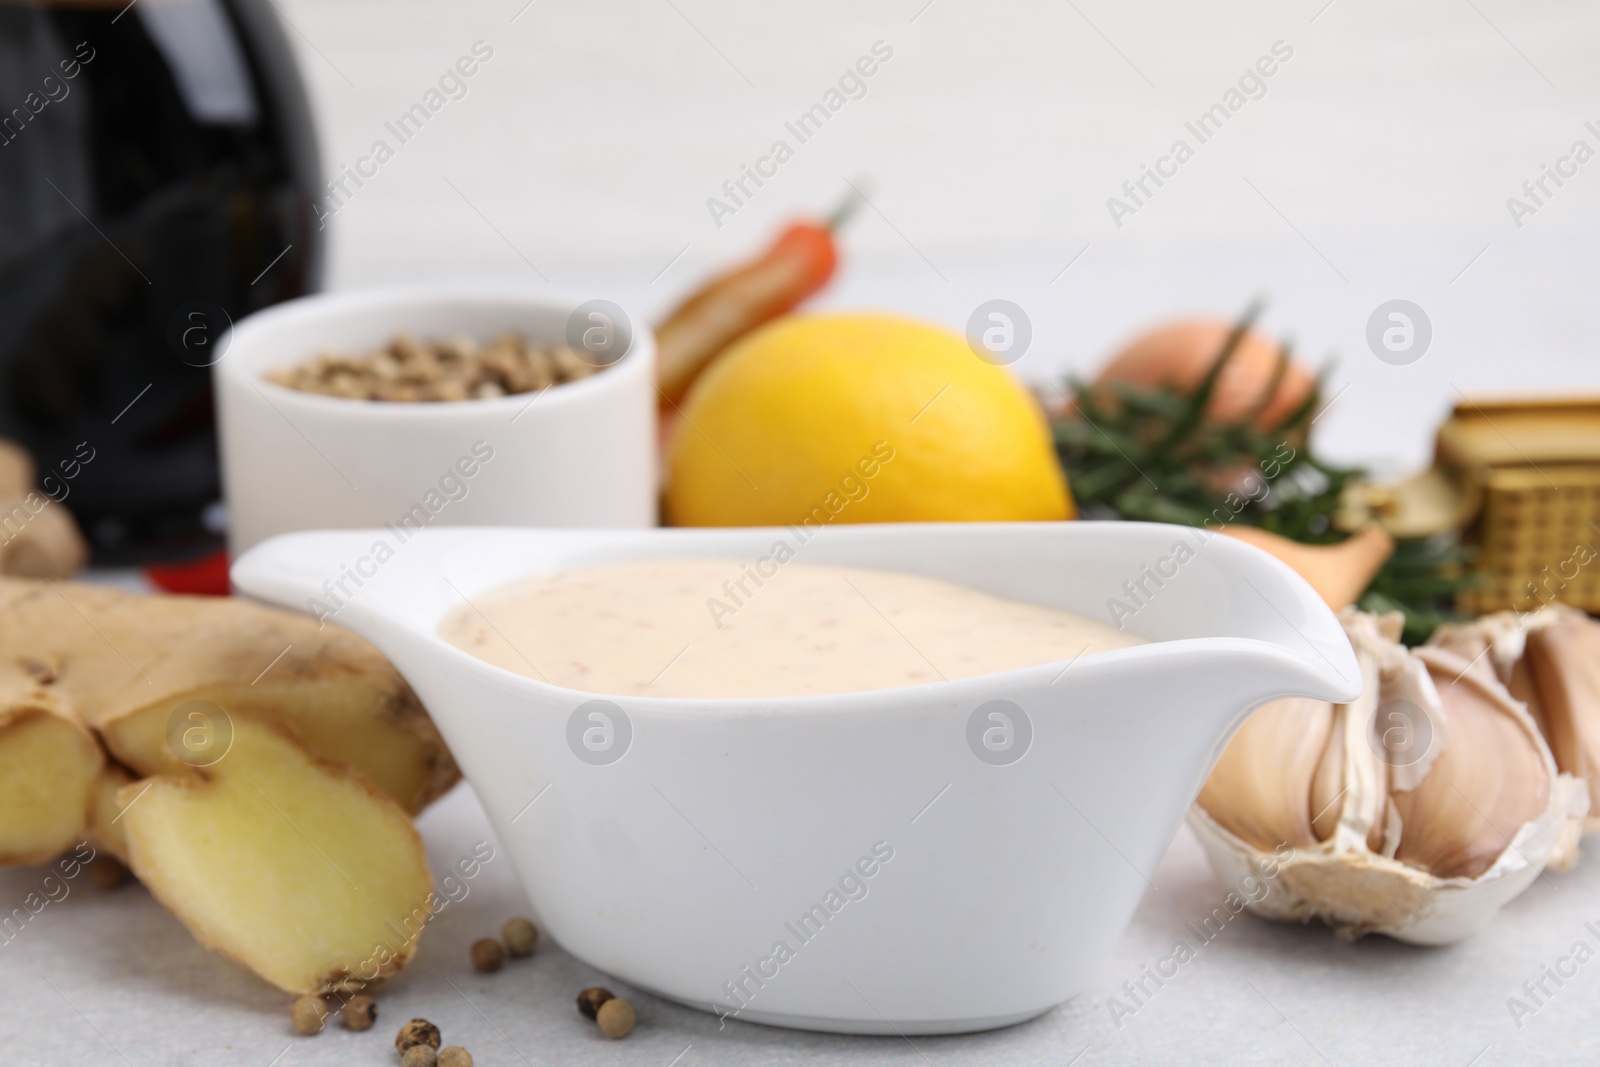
(715, 628)
(955, 854)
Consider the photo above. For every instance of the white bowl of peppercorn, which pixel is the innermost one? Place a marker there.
(408, 407)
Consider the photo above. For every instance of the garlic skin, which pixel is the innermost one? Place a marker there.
(1416, 811)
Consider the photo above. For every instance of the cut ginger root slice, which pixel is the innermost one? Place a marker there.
(299, 870)
(378, 730)
(52, 763)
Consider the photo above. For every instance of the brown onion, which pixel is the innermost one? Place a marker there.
(1180, 353)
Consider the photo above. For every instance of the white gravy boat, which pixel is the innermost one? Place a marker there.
(928, 861)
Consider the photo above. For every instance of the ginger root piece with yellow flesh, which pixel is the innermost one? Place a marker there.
(295, 868)
(48, 765)
(105, 811)
(152, 672)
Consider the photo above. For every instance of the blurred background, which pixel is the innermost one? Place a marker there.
(1377, 166)
(1338, 156)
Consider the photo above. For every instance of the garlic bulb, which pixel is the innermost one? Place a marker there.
(1550, 660)
(1417, 811)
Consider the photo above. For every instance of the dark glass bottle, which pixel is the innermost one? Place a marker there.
(158, 176)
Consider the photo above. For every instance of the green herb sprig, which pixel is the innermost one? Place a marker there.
(1150, 453)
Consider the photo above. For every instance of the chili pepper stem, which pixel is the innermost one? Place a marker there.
(846, 208)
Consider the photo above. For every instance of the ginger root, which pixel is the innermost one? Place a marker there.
(151, 673)
(297, 869)
(105, 811)
(260, 779)
(16, 468)
(38, 536)
(49, 763)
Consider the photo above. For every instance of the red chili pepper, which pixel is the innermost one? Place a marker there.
(206, 576)
(798, 264)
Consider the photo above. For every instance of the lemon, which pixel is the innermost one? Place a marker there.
(821, 419)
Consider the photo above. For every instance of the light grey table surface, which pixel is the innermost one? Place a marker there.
(111, 978)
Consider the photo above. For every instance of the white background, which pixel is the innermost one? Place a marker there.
(1377, 166)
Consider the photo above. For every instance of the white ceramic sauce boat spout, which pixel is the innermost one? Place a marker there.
(929, 859)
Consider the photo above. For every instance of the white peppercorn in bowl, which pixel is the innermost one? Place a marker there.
(577, 453)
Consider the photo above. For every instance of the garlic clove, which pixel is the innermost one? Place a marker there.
(1562, 664)
(1408, 730)
(1519, 682)
(1487, 781)
(1327, 781)
(1550, 660)
(1262, 787)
